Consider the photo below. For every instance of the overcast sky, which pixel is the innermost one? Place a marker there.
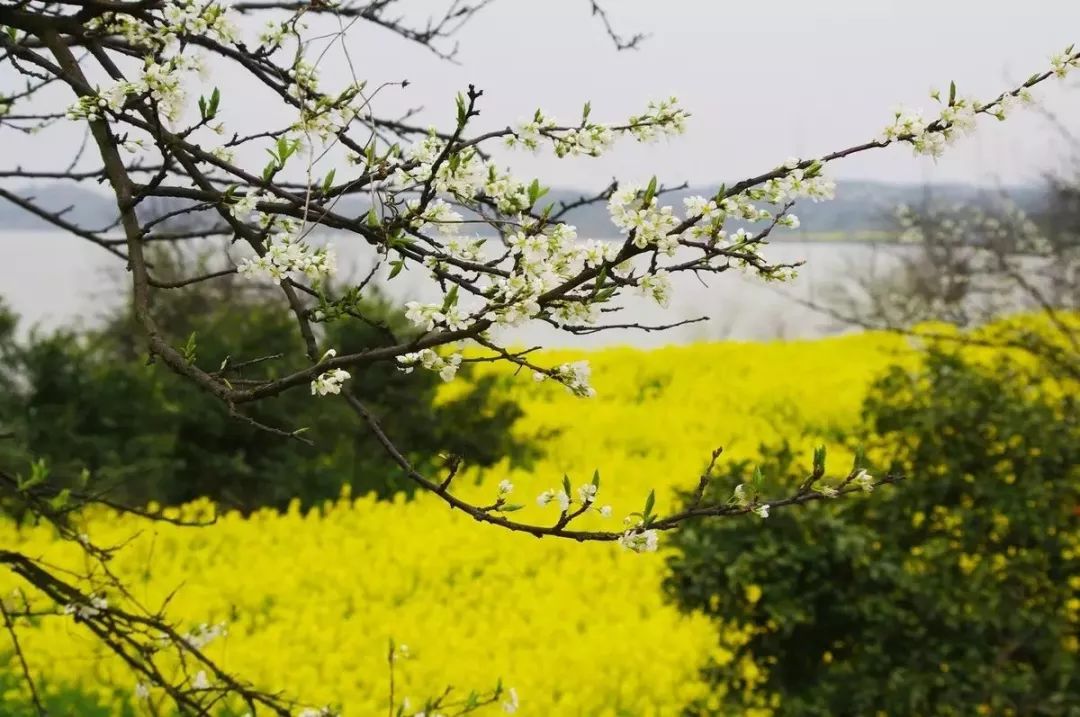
(764, 81)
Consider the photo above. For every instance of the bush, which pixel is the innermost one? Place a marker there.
(955, 593)
(88, 399)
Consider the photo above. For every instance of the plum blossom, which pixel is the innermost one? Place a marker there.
(864, 481)
(640, 541)
(329, 382)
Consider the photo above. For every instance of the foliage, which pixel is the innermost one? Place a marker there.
(145, 435)
(957, 593)
(310, 597)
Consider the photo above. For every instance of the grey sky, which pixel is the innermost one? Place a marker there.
(764, 81)
(769, 79)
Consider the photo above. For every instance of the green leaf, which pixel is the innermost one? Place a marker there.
(190, 347)
(462, 110)
(510, 508)
(328, 181)
(650, 192)
(819, 460)
(650, 502)
(606, 294)
(566, 484)
(860, 459)
(451, 297)
(208, 108)
(596, 478)
(398, 265)
(39, 472)
(372, 218)
(599, 282)
(586, 112)
(60, 500)
(952, 94)
(535, 191)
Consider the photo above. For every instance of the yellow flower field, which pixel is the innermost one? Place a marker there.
(311, 599)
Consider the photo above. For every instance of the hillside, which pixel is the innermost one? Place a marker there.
(860, 206)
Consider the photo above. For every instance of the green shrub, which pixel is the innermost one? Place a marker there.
(89, 399)
(955, 593)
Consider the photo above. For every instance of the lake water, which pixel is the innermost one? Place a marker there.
(52, 279)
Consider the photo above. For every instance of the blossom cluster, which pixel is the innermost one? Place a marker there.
(932, 137)
(87, 610)
(165, 63)
(329, 382)
(203, 634)
(744, 499)
(1061, 63)
(321, 115)
(633, 210)
(447, 367)
(662, 118)
(640, 540)
(564, 497)
(957, 117)
(286, 255)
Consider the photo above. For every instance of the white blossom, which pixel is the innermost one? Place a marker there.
(656, 286)
(85, 611)
(640, 541)
(329, 382)
(1062, 63)
(575, 376)
(447, 367)
(740, 497)
(200, 681)
(284, 256)
(204, 634)
(316, 712)
(510, 705)
(864, 480)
